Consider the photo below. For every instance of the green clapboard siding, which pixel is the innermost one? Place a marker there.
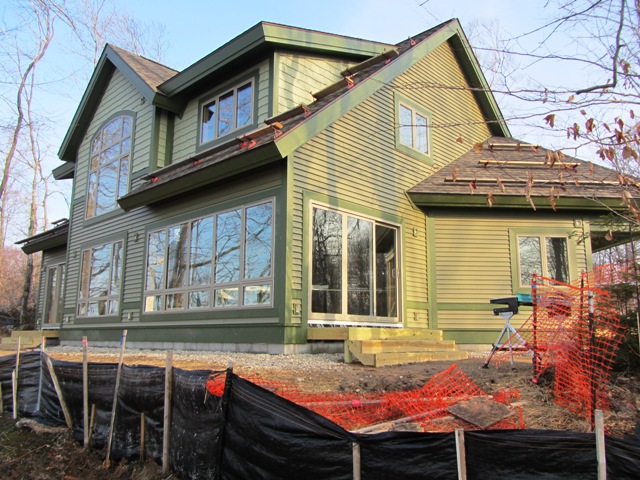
(474, 260)
(355, 165)
(301, 75)
(185, 138)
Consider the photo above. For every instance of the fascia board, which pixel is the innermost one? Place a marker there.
(432, 200)
(92, 94)
(109, 60)
(471, 67)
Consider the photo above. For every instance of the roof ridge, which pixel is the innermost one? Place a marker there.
(117, 48)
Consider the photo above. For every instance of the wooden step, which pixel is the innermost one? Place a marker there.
(401, 345)
(384, 359)
(359, 333)
(35, 334)
(28, 339)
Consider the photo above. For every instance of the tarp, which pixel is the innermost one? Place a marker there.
(195, 426)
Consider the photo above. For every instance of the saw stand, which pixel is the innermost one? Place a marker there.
(506, 313)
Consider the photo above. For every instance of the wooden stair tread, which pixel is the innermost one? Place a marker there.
(402, 345)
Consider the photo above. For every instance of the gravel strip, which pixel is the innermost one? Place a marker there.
(319, 361)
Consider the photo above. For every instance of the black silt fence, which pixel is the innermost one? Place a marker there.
(260, 435)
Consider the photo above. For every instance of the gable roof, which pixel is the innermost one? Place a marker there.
(143, 73)
(506, 173)
(290, 130)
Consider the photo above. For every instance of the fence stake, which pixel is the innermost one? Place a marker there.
(168, 391)
(123, 342)
(224, 403)
(142, 431)
(1, 402)
(460, 454)
(14, 382)
(85, 390)
(600, 448)
(14, 385)
(56, 385)
(356, 461)
(92, 419)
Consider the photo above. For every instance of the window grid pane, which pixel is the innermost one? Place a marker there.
(356, 283)
(557, 258)
(210, 253)
(530, 258)
(228, 112)
(109, 166)
(100, 280)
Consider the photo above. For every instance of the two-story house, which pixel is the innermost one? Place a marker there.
(293, 183)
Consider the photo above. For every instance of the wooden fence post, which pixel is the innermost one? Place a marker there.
(14, 382)
(460, 454)
(168, 393)
(600, 447)
(357, 469)
(123, 342)
(85, 390)
(56, 385)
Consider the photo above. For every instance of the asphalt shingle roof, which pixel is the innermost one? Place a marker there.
(506, 167)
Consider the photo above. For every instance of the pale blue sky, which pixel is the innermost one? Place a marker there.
(194, 28)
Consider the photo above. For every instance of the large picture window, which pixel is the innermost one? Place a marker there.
(109, 166)
(219, 261)
(100, 278)
(227, 112)
(544, 255)
(354, 273)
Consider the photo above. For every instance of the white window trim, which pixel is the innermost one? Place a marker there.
(212, 287)
(414, 126)
(543, 255)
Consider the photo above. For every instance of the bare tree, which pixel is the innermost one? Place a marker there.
(94, 23)
(26, 58)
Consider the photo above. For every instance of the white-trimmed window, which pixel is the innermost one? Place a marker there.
(413, 130)
(219, 261)
(227, 112)
(109, 166)
(354, 273)
(544, 255)
(100, 279)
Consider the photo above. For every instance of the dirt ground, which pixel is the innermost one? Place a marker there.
(27, 455)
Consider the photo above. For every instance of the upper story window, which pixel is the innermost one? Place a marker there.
(413, 128)
(109, 166)
(227, 112)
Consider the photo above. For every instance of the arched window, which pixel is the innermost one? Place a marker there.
(109, 167)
